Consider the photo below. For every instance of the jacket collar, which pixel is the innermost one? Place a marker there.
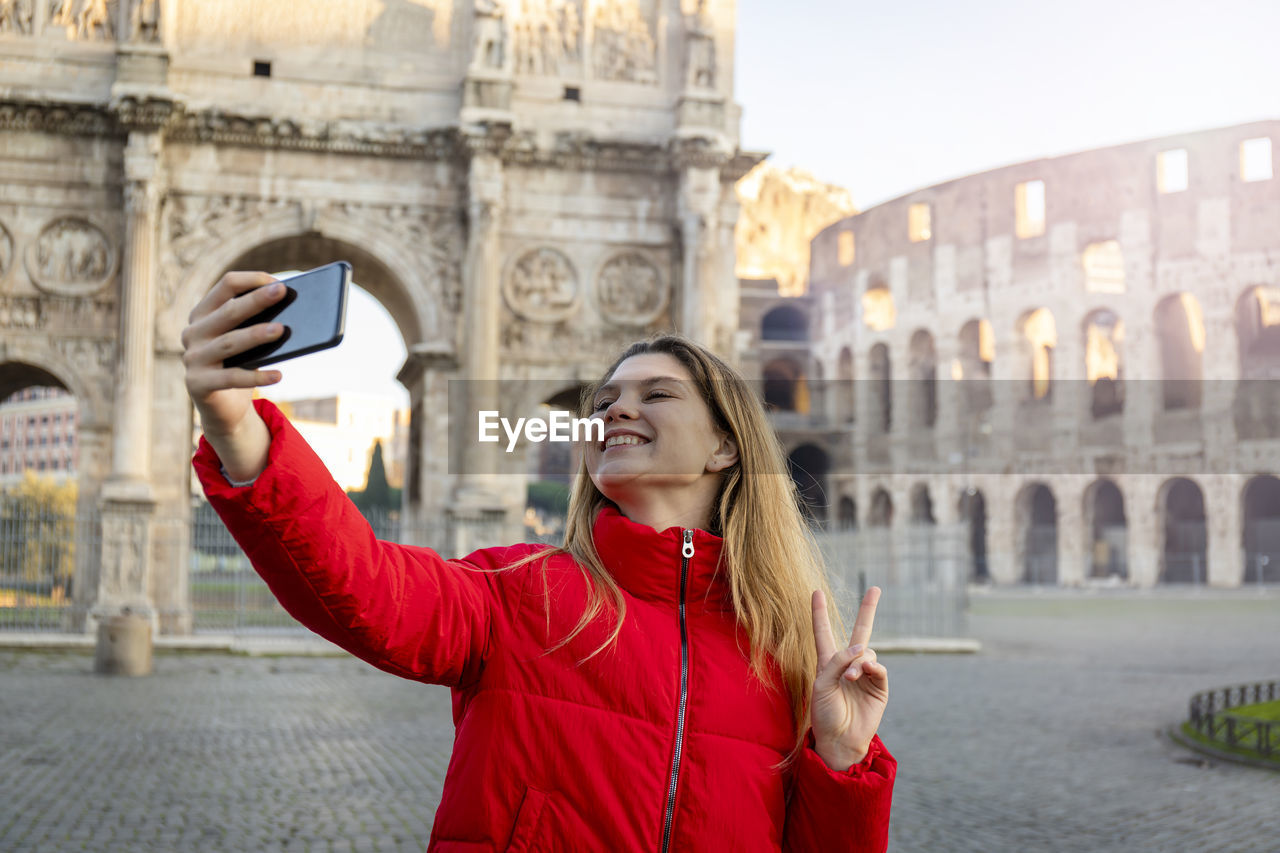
(647, 563)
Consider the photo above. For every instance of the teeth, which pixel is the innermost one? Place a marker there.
(615, 440)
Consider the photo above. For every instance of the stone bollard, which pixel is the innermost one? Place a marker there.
(124, 645)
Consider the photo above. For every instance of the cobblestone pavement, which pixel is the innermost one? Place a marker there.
(1051, 739)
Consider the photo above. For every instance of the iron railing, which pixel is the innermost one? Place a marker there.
(922, 570)
(1215, 715)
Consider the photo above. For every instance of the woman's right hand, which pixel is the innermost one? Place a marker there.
(224, 395)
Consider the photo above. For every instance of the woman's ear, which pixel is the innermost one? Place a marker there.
(725, 455)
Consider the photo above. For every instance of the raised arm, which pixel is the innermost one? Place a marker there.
(405, 610)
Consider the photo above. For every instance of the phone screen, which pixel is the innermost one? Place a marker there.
(313, 312)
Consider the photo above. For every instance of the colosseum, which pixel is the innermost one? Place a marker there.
(1068, 358)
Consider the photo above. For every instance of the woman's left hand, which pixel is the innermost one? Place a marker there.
(851, 690)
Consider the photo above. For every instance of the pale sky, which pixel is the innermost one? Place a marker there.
(883, 98)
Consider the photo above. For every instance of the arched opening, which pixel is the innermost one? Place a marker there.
(1104, 514)
(1258, 332)
(1103, 337)
(878, 312)
(972, 366)
(1039, 510)
(349, 400)
(921, 505)
(845, 398)
(784, 323)
(809, 466)
(923, 367)
(881, 388)
(40, 523)
(881, 514)
(1257, 320)
(1038, 336)
(847, 515)
(973, 509)
(1180, 333)
(552, 465)
(1186, 535)
(785, 389)
(1262, 530)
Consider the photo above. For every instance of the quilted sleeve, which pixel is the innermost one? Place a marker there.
(405, 610)
(848, 811)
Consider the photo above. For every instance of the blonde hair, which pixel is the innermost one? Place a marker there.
(769, 554)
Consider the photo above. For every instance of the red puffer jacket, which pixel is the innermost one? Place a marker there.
(661, 743)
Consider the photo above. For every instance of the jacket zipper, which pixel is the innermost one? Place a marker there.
(686, 554)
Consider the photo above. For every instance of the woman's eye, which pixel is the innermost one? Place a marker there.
(658, 394)
(603, 404)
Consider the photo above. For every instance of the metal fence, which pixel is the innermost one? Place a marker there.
(1219, 716)
(921, 570)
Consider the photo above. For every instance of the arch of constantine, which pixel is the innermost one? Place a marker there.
(524, 185)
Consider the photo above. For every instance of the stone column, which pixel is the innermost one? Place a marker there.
(131, 445)
(128, 505)
(701, 311)
(477, 494)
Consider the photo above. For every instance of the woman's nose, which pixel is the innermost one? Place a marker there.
(620, 408)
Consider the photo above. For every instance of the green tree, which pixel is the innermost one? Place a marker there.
(37, 524)
(377, 494)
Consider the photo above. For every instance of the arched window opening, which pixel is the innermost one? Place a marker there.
(1039, 510)
(924, 379)
(921, 505)
(785, 389)
(878, 313)
(848, 513)
(1186, 534)
(972, 366)
(1039, 336)
(1103, 340)
(881, 514)
(973, 510)
(809, 466)
(1262, 530)
(785, 323)
(1104, 513)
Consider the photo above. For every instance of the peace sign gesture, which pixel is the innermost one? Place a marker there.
(851, 690)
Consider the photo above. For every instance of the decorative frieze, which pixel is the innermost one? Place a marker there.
(338, 137)
(622, 45)
(547, 36)
(63, 314)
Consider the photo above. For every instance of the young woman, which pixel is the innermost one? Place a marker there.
(667, 680)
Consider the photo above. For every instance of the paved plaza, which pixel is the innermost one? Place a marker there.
(1050, 739)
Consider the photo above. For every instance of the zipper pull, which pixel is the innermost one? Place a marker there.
(687, 553)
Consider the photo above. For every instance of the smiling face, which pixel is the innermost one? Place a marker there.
(662, 455)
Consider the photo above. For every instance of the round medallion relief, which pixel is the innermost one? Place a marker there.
(541, 285)
(71, 257)
(630, 290)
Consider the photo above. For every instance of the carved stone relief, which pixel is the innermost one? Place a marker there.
(6, 250)
(16, 16)
(541, 285)
(623, 46)
(84, 20)
(547, 36)
(435, 236)
(71, 257)
(559, 343)
(144, 20)
(630, 290)
(60, 313)
(489, 48)
(700, 50)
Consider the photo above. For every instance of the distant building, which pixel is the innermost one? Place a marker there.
(342, 430)
(38, 432)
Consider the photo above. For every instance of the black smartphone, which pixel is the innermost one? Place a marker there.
(313, 311)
